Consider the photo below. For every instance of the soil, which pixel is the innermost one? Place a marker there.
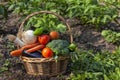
(86, 37)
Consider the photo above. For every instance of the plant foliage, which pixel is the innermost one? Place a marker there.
(111, 36)
(87, 65)
(95, 12)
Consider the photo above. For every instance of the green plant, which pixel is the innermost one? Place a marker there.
(114, 75)
(88, 11)
(5, 66)
(91, 12)
(18, 6)
(117, 50)
(111, 36)
(10, 45)
(48, 22)
(87, 65)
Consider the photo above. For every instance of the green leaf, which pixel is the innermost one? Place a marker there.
(106, 19)
(93, 20)
(2, 69)
(105, 33)
(114, 16)
(118, 35)
(38, 24)
(105, 77)
(17, 10)
(86, 9)
(11, 7)
(39, 31)
(61, 28)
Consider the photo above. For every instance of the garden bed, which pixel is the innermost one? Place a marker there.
(87, 37)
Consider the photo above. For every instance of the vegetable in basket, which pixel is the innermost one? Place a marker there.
(72, 46)
(35, 54)
(44, 39)
(29, 48)
(39, 31)
(47, 52)
(28, 37)
(59, 47)
(54, 35)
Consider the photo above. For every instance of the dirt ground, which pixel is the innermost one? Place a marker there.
(86, 37)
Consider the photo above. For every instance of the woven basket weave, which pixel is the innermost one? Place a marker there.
(45, 66)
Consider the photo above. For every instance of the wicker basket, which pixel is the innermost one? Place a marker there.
(45, 66)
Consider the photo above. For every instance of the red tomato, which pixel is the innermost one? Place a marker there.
(44, 39)
(47, 52)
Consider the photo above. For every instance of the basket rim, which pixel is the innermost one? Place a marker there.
(38, 60)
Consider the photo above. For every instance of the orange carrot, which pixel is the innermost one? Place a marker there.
(19, 51)
(16, 52)
(29, 46)
(38, 47)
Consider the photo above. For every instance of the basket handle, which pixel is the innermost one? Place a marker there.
(48, 12)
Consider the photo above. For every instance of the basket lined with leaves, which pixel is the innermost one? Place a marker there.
(54, 51)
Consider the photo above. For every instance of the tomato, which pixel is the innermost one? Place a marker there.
(47, 52)
(54, 35)
(44, 39)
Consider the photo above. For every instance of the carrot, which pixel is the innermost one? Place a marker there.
(29, 46)
(19, 51)
(16, 52)
(38, 47)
